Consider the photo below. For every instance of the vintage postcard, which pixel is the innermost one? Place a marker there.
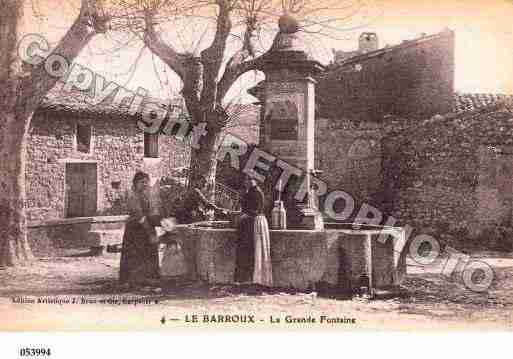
(338, 165)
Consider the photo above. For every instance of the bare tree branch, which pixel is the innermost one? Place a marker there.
(165, 52)
(234, 70)
(238, 63)
(89, 22)
(212, 57)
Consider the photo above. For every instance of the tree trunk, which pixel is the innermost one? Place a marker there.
(204, 161)
(14, 248)
(22, 89)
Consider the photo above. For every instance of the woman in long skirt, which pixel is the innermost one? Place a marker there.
(253, 258)
(139, 256)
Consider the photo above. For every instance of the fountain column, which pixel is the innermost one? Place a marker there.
(288, 119)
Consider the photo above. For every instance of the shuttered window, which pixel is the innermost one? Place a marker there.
(83, 138)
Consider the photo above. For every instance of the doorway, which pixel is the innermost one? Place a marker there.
(81, 189)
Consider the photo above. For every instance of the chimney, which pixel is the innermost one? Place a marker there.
(367, 42)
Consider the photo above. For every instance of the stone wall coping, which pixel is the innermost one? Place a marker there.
(370, 226)
(107, 231)
(77, 220)
(365, 231)
(76, 160)
(284, 231)
(369, 231)
(298, 78)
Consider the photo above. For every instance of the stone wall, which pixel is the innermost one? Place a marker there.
(117, 147)
(451, 175)
(349, 154)
(54, 237)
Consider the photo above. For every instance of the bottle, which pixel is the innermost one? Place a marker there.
(278, 216)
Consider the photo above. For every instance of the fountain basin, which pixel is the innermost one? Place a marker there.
(338, 255)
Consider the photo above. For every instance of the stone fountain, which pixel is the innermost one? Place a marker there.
(309, 251)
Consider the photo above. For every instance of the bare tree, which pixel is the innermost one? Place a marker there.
(22, 89)
(208, 74)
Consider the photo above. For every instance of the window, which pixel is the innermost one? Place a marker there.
(83, 138)
(151, 145)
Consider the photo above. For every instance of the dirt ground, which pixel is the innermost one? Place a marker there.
(427, 301)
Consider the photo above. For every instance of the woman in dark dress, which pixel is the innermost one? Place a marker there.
(253, 257)
(139, 256)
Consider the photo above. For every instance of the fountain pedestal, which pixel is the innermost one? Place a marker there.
(288, 122)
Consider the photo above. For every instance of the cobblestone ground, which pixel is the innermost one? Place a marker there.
(427, 301)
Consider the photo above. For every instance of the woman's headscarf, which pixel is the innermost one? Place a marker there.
(139, 175)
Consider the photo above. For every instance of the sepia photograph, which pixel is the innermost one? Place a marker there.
(327, 165)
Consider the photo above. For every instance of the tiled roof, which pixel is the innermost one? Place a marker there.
(76, 102)
(463, 102)
(244, 118)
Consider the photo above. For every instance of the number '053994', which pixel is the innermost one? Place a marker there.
(35, 352)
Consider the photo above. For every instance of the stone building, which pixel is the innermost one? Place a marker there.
(81, 158)
(396, 135)
(355, 98)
